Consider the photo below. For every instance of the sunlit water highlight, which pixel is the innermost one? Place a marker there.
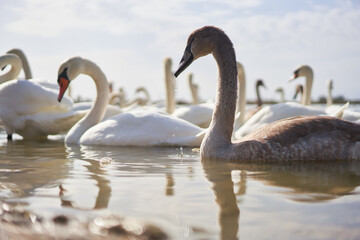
(188, 199)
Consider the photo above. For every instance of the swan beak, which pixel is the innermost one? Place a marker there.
(186, 60)
(294, 76)
(63, 82)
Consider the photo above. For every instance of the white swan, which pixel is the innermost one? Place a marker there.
(194, 89)
(199, 114)
(29, 108)
(307, 72)
(272, 113)
(349, 115)
(137, 128)
(298, 138)
(259, 83)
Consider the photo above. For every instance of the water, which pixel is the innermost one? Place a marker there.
(188, 199)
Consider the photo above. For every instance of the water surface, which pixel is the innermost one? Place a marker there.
(187, 198)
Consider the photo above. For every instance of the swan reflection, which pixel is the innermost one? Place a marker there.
(310, 182)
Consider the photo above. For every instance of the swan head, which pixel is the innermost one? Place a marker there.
(301, 71)
(68, 71)
(261, 83)
(200, 43)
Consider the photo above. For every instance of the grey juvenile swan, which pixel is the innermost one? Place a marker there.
(296, 138)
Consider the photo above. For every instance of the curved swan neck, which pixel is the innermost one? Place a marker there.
(306, 100)
(170, 87)
(24, 61)
(98, 109)
(225, 104)
(15, 62)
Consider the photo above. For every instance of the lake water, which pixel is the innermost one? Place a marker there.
(174, 190)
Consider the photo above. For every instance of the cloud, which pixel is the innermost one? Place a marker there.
(52, 18)
(269, 44)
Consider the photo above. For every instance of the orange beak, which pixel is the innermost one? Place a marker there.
(63, 82)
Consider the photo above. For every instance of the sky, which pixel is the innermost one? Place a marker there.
(129, 39)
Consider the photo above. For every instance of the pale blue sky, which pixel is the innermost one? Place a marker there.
(128, 39)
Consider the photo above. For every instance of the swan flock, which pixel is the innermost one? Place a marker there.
(286, 131)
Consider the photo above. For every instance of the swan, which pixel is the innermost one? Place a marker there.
(135, 101)
(296, 138)
(299, 90)
(272, 113)
(170, 103)
(199, 114)
(259, 83)
(251, 112)
(194, 88)
(134, 128)
(29, 108)
(307, 72)
(350, 115)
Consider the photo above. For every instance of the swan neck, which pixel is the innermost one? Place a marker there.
(329, 100)
(97, 111)
(241, 103)
(306, 100)
(225, 104)
(193, 89)
(259, 101)
(170, 90)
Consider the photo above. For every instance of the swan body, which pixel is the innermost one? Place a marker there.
(144, 128)
(350, 115)
(137, 128)
(31, 110)
(296, 138)
(279, 111)
(199, 115)
(275, 112)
